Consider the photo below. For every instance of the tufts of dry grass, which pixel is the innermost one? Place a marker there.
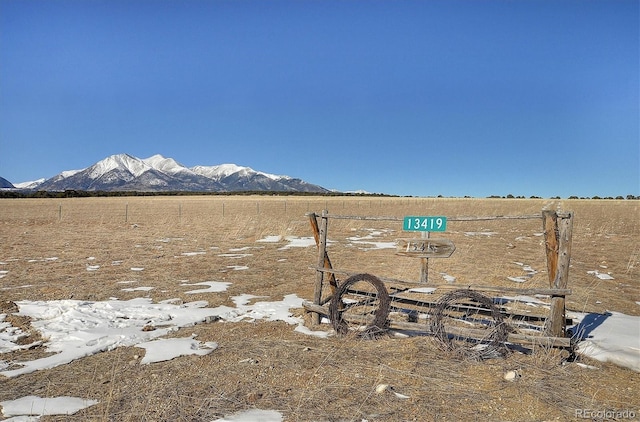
(47, 247)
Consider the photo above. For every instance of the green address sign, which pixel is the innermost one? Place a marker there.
(425, 224)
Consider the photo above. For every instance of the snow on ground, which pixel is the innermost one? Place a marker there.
(370, 242)
(75, 329)
(298, 242)
(214, 287)
(423, 290)
(138, 289)
(270, 239)
(193, 253)
(30, 408)
(600, 275)
(610, 337)
(34, 405)
(448, 278)
(235, 255)
(169, 348)
(253, 415)
(529, 272)
(238, 267)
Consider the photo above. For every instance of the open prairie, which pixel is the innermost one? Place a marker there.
(85, 248)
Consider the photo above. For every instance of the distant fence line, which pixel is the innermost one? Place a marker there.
(127, 209)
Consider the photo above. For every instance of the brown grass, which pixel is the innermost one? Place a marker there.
(306, 378)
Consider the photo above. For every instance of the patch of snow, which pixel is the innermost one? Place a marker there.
(531, 301)
(137, 289)
(583, 365)
(253, 415)
(193, 253)
(271, 311)
(423, 290)
(609, 337)
(448, 278)
(601, 276)
(75, 329)
(305, 330)
(235, 255)
(521, 279)
(166, 349)
(270, 239)
(214, 287)
(38, 406)
(298, 242)
(169, 239)
(238, 267)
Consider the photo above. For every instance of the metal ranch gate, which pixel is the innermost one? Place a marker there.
(465, 320)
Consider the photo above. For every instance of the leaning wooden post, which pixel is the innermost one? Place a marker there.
(327, 261)
(557, 319)
(322, 252)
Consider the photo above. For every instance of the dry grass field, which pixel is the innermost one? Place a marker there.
(266, 365)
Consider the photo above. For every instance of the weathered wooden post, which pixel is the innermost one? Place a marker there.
(550, 227)
(424, 263)
(564, 230)
(320, 234)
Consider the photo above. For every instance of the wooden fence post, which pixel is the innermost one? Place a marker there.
(557, 317)
(321, 241)
(550, 226)
(424, 263)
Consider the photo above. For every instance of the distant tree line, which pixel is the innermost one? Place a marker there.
(72, 193)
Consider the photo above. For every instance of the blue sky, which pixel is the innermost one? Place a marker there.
(415, 98)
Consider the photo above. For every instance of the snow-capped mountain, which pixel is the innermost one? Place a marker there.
(29, 185)
(124, 172)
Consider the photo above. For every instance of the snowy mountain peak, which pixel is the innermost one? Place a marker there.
(124, 172)
(133, 165)
(225, 170)
(29, 185)
(220, 171)
(165, 165)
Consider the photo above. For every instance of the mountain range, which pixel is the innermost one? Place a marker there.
(123, 172)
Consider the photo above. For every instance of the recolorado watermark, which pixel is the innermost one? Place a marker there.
(605, 414)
